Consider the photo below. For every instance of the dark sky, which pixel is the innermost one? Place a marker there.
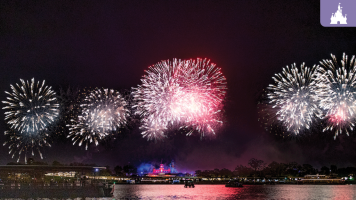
(97, 44)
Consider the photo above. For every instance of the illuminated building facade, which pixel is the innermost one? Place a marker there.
(162, 171)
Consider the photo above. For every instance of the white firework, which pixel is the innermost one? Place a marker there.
(293, 94)
(26, 144)
(31, 109)
(336, 93)
(101, 113)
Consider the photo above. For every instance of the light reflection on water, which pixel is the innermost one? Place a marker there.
(247, 192)
(221, 192)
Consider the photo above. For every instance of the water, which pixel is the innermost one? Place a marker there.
(221, 192)
(247, 192)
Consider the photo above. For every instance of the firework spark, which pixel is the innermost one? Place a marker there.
(293, 94)
(181, 93)
(102, 112)
(26, 144)
(267, 116)
(336, 89)
(31, 109)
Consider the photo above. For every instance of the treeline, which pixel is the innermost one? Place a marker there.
(260, 168)
(255, 167)
(127, 170)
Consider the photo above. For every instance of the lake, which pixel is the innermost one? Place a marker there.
(247, 192)
(156, 191)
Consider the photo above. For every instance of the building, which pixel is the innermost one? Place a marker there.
(321, 179)
(163, 172)
(161, 169)
(40, 171)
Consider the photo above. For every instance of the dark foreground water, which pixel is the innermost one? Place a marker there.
(221, 192)
(247, 192)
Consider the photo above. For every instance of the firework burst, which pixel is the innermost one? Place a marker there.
(293, 94)
(31, 109)
(26, 144)
(336, 89)
(180, 94)
(101, 113)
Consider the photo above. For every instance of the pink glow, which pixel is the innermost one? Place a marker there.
(161, 170)
(338, 117)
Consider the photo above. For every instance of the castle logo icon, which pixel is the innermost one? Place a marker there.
(338, 13)
(337, 17)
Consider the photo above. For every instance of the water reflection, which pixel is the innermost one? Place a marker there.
(201, 192)
(247, 192)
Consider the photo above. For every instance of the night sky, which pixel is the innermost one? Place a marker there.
(96, 44)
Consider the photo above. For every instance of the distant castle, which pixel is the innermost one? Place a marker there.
(162, 170)
(338, 17)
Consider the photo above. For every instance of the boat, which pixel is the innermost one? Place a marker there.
(234, 184)
(189, 184)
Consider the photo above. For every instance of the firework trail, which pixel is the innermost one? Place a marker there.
(293, 94)
(180, 94)
(31, 109)
(25, 143)
(101, 113)
(336, 89)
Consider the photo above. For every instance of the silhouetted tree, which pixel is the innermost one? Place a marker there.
(333, 168)
(216, 173)
(256, 164)
(129, 169)
(105, 172)
(226, 173)
(292, 168)
(118, 170)
(325, 170)
(346, 171)
(308, 169)
(198, 173)
(56, 163)
(207, 173)
(241, 170)
(277, 169)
